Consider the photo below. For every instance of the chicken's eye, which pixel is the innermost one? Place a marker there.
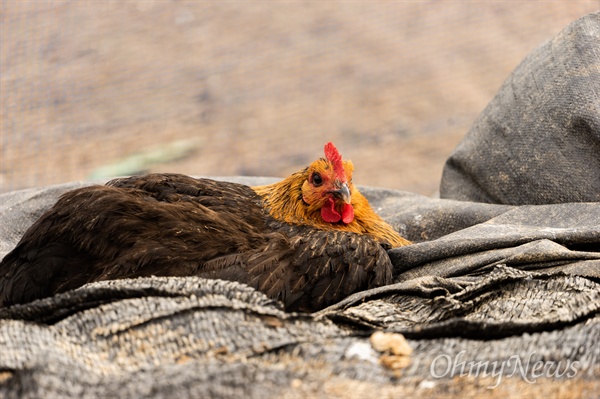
(317, 180)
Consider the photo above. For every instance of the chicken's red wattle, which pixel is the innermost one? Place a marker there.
(331, 215)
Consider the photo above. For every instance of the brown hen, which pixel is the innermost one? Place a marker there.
(308, 240)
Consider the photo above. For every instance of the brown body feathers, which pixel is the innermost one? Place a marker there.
(275, 238)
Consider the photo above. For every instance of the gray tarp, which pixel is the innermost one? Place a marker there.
(538, 140)
(494, 299)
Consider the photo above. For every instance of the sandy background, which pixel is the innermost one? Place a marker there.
(97, 88)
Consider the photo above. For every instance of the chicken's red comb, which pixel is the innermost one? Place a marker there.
(333, 156)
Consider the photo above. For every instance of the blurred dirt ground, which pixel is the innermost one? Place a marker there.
(100, 88)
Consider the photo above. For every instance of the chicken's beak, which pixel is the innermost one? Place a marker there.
(343, 192)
